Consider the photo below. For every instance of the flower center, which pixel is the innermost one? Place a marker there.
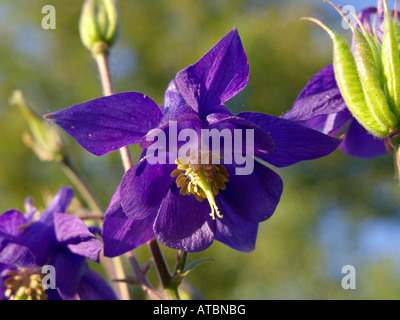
(24, 284)
(203, 180)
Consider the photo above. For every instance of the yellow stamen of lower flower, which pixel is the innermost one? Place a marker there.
(201, 180)
(24, 284)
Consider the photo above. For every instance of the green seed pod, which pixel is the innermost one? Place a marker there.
(396, 25)
(349, 83)
(372, 80)
(99, 24)
(391, 62)
(374, 45)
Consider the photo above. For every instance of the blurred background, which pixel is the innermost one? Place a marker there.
(334, 211)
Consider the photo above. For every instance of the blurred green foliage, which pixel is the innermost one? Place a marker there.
(334, 211)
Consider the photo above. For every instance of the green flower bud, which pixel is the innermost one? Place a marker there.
(43, 139)
(99, 25)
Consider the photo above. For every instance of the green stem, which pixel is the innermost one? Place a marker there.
(82, 186)
(141, 278)
(395, 142)
(168, 283)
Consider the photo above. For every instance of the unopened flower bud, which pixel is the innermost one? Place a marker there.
(99, 24)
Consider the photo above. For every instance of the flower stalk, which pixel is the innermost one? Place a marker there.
(80, 183)
(170, 286)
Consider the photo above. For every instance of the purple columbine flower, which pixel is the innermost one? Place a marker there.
(320, 105)
(188, 205)
(30, 241)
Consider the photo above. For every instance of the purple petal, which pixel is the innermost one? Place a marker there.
(143, 187)
(235, 232)
(263, 143)
(218, 76)
(37, 240)
(90, 249)
(330, 124)
(58, 204)
(380, 14)
(365, 18)
(253, 197)
(358, 142)
(219, 113)
(320, 96)
(184, 223)
(17, 255)
(109, 123)
(10, 222)
(69, 269)
(293, 141)
(74, 233)
(31, 247)
(70, 229)
(174, 104)
(121, 234)
(93, 287)
(170, 128)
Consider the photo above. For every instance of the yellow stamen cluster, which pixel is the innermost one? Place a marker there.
(24, 284)
(201, 180)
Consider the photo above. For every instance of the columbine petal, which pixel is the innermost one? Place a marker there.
(9, 223)
(120, 233)
(170, 127)
(234, 231)
(143, 187)
(73, 232)
(174, 104)
(358, 142)
(263, 144)
(38, 238)
(293, 141)
(184, 223)
(16, 255)
(320, 96)
(109, 123)
(218, 76)
(69, 269)
(330, 124)
(93, 287)
(70, 229)
(253, 197)
(58, 204)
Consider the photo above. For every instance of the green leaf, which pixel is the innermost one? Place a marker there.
(194, 264)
